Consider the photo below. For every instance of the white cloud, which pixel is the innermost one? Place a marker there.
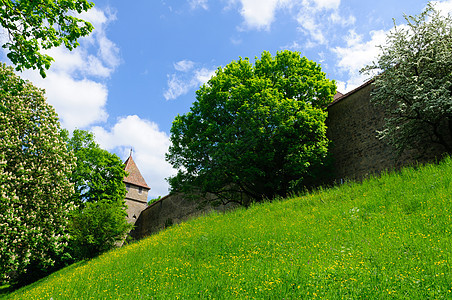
(149, 145)
(444, 6)
(75, 83)
(187, 79)
(236, 41)
(356, 55)
(294, 46)
(79, 103)
(176, 87)
(260, 14)
(198, 3)
(315, 17)
(308, 24)
(353, 38)
(107, 53)
(3, 35)
(312, 15)
(184, 65)
(336, 18)
(323, 4)
(203, 75)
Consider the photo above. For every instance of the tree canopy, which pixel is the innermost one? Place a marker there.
(35, 191)
(98, 174)
(415, 81)
(100, 218)
(33, 26)
(254, 132)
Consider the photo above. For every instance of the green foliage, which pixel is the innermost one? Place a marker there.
(387, 238)
(415, 84)
(254, 132)
(35, 190)
(97, 227)
(100, 219)
(154, 200)
(99, 174)
(33, 26)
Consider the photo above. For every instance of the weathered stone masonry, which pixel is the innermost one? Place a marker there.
(352, 124)
(169, 210)
(137, 191)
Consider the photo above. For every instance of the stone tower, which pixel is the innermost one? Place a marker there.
(137, 191)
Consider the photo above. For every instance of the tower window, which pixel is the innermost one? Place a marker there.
(127, 186)
(140, 190)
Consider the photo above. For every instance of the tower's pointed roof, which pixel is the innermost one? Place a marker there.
(134, 176)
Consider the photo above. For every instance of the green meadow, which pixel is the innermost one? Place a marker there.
(385, 238)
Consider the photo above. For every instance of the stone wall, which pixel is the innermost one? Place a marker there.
(136, 201)
(169, 210)
(136, 192)
(134, 209)
(352, 123)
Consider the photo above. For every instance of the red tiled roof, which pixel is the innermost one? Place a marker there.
(339, 96)
(134, 176)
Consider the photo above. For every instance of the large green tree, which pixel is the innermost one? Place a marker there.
(33, 26)
(415, 81)
(99, 174)
(100, 218)
(97, 227)
(35, 190)
(254, 131)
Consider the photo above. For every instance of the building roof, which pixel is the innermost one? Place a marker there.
(134, 176)
(339, 96)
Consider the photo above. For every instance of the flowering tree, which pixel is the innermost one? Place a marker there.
(415, 84)
(35, 191)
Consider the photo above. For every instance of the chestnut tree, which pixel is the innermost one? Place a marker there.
(35, 190)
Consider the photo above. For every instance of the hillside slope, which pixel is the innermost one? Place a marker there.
(387, 238)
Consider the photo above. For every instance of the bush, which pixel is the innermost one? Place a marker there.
(97, 228)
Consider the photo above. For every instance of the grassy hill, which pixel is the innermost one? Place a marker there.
(387, 238)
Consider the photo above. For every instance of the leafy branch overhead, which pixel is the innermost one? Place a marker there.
(34, 26)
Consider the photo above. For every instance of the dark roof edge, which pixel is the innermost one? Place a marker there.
(135, 200)
(134, 177)
(158, 201)
(136, 184)
(352, 92)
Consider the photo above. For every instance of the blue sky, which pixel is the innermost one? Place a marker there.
(144, 61)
